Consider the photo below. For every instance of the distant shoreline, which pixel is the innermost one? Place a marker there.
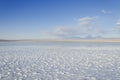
(46, 40)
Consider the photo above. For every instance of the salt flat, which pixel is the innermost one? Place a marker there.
(59, 62)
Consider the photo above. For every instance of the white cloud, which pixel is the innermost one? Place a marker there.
(86, 21)
(118, 22)
(116, 29)
(84, 29)
(106, 12)
(65, 32)
(73, 33)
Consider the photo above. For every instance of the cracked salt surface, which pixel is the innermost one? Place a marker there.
(59, 63)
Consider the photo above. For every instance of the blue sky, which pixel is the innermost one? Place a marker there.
(59, 19)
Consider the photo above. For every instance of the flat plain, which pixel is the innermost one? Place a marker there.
(59, 62)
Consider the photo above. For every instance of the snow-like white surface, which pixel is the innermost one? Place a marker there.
(59, 63)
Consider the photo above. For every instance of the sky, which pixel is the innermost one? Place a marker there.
(59, 19)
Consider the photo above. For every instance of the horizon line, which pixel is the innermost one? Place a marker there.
(62, 40)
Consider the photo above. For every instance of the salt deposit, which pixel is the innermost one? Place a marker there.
(59, 63)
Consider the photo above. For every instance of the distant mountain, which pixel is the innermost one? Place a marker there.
(3, 40)
(86, 39)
